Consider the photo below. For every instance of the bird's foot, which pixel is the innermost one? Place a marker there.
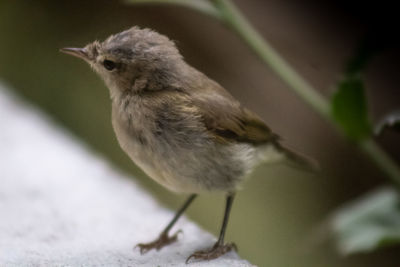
(216, 251)
(161, 242)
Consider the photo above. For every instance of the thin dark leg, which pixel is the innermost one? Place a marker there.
(219, 247)
(164, 239)
(179, 213)
(229, 201)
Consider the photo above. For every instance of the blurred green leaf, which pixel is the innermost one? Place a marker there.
(349, 105)
(391, 120)
(369, 223)
(349, 108)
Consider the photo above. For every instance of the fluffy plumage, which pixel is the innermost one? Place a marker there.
(182, 128)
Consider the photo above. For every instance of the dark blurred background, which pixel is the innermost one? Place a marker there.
(278, 210)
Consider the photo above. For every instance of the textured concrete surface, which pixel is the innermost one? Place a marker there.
(62, 205)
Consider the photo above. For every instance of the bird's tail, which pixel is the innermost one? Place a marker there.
(298, 160)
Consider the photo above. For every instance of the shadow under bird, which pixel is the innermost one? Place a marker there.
(182, 128)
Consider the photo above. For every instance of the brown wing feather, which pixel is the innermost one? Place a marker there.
(228, 121)
(240, 127)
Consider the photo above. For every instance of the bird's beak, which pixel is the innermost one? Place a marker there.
(76, 52)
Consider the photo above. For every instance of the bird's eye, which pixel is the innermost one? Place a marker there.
(109, 65)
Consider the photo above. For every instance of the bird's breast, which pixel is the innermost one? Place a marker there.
(179, 153)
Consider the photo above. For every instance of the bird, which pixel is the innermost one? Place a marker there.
(183, 129)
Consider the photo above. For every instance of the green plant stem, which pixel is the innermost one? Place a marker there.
(238, 23)
(233, 18)
(202, 6)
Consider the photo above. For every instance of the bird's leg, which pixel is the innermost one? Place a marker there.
(219, 248)
(164, 239)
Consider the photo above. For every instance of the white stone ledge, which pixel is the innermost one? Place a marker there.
(62, 205)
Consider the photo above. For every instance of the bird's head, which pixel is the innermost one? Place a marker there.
(135, 59)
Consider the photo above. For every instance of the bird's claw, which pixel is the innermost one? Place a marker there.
(216, 251)
(162, 241)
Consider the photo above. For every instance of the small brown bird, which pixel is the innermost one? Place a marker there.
(182, 128)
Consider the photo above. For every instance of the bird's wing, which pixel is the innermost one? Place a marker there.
(228, 121)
